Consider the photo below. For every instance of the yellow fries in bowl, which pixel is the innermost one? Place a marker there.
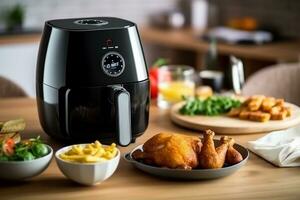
(90, 153)
(88, 164)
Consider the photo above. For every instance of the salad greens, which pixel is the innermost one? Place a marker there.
(24, 150)
(214, 105)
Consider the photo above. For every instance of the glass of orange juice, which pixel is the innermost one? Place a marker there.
(174, 82)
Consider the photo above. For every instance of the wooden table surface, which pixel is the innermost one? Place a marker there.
(257, 180)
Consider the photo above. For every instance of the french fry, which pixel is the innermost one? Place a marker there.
(279, 102)
(259, 116)
(234, 112)
(260, 108)
(280, 115)
(268, 103)
(255, 103)
(90, 153)
(244, 114)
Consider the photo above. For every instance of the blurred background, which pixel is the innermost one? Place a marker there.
(199, 33)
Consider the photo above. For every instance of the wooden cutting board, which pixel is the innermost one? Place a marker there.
(227, 125)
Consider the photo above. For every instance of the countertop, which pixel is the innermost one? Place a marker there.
(258, 179)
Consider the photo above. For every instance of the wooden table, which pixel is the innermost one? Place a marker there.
(257, 180)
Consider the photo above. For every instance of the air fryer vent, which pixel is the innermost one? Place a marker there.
(95, 22)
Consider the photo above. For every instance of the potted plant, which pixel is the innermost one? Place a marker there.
(14, 18)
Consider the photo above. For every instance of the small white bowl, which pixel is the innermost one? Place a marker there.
(87, 173)
(19, 170)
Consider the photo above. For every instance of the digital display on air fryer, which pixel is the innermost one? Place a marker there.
(113, 64)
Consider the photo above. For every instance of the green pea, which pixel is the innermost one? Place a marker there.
(28, 156)
(39, 150)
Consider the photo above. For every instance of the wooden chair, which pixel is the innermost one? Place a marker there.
(10, 89)
(281, 81)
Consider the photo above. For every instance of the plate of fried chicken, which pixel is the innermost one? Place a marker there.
(178, 156)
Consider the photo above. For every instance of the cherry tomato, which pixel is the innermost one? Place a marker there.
(153, 75)
(154, 72)
(8, 147)
(153, 87)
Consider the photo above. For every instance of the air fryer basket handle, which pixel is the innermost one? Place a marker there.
(123, 116)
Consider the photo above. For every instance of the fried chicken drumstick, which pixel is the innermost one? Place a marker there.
(211, 157)
(232, 156)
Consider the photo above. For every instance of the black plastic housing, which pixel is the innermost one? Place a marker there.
(74, 90)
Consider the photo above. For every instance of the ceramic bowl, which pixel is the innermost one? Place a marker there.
(87, 173)
(19, 170)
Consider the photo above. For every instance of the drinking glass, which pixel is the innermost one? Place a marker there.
(174, 83)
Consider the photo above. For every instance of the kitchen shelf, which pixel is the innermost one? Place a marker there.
(189, 39)
(21, 38)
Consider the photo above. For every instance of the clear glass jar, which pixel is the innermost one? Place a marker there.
(174, 82)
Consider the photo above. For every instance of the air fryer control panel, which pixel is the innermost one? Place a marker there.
(106, 55)
(113, 64)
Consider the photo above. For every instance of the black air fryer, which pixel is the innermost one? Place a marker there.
(92, 81)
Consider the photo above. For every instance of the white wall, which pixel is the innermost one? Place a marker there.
(38, 11)
(18, 63)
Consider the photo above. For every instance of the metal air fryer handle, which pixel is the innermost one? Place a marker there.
(123, 115)
(237, 74)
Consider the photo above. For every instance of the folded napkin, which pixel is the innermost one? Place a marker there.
(282, 148)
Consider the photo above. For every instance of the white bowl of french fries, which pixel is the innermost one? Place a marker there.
(88, 164)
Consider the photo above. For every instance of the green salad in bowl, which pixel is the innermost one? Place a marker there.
(13, 149)
(21, 159)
